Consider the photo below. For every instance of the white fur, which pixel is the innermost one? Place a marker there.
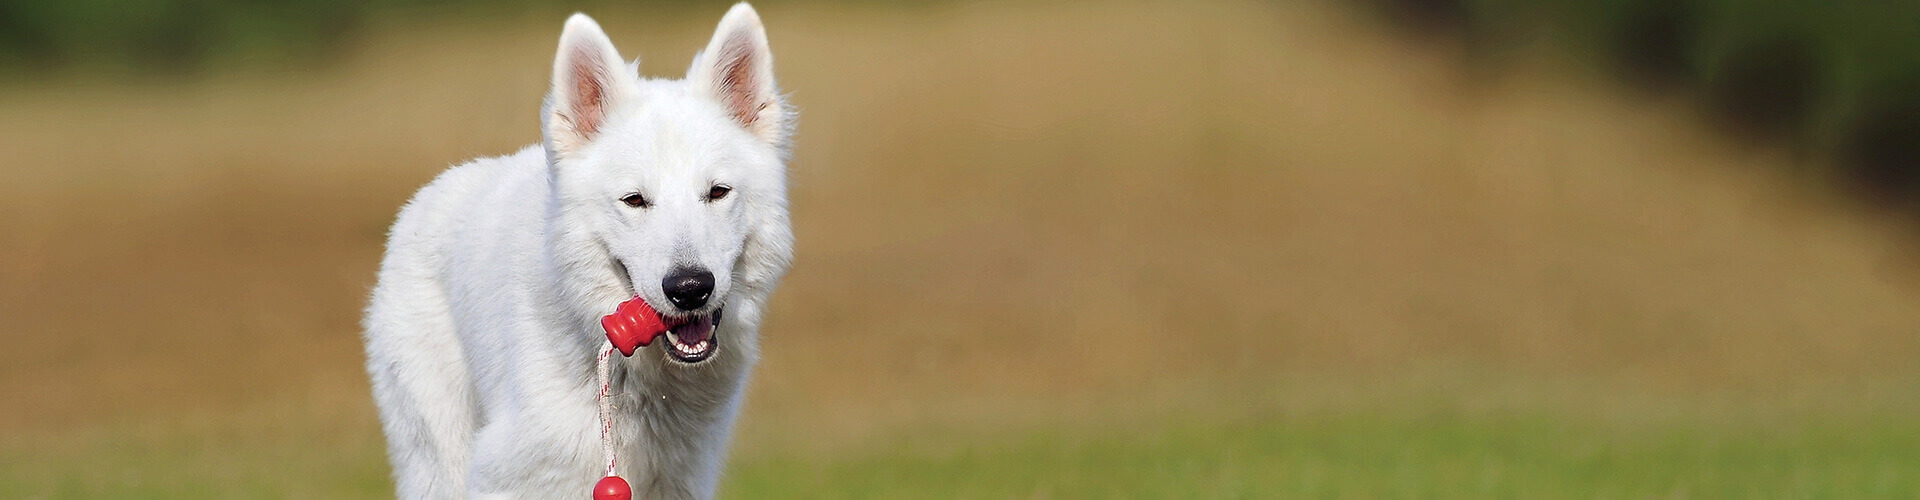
(483, 330)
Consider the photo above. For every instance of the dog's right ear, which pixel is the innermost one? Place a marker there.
(589, 84)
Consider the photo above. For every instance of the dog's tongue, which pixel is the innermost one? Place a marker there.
(633, 324)
(694, 332)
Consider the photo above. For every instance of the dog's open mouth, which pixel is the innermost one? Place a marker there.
(690, 339)
(693, 340)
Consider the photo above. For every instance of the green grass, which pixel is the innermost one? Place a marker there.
(195, 462)
(1373, 457)
(1333, 456)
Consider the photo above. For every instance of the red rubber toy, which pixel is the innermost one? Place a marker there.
(632, 325)
(612, 488)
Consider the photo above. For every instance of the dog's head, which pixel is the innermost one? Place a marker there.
(671, 190)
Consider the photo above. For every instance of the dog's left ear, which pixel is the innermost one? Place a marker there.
(736, 69)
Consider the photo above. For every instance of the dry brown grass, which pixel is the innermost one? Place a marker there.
(1091, 213)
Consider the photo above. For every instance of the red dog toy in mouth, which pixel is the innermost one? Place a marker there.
(634, 324)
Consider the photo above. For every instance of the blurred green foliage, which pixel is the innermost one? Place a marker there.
(159, 38)
(169, 36)
(1836, 78)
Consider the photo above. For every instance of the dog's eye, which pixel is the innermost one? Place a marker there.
(636, 200)
(718, 191)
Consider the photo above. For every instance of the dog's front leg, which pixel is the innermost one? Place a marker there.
(523, 458)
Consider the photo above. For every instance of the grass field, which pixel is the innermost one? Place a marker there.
(1371, 457)
(1325, 456)
(1090, 249)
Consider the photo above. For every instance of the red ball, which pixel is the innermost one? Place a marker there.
(612, 488)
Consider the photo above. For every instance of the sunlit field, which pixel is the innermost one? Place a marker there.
(1084, 250)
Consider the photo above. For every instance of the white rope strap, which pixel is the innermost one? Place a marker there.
(606, 409)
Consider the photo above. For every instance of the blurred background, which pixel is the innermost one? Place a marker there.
(1083, 249)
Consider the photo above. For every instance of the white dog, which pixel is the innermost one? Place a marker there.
(483, 331)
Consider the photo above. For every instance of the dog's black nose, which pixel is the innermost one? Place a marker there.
(688, 289)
